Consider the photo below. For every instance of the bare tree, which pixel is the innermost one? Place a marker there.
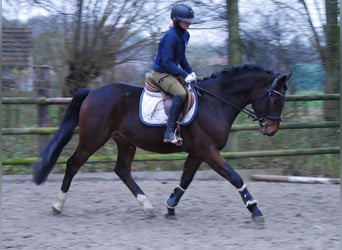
(97, 34)
(234, 39)
(101, 35)
(328, 46)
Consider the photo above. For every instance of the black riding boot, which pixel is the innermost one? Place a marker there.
(175, 109)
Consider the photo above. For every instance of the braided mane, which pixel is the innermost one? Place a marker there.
(246, 67)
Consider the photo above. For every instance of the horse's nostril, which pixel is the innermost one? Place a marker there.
(272, 133)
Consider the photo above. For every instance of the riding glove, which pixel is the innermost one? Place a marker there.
(190, 78)
(194, 75)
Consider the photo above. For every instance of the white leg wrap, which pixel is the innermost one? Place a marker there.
(252, 202)
(58, 205)
(144, 202)
(181, 188)
(242, 188)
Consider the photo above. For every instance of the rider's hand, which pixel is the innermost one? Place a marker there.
(194, 75)
(190, 78)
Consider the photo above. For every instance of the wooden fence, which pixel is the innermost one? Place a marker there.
(43, 102)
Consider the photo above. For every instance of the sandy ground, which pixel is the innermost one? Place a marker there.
(100, 213)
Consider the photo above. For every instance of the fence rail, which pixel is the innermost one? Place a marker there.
(66, 100)
(182, 156)
(239, 127)
(42, 101)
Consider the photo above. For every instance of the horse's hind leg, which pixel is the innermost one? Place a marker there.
(73, 165)
(126, 152)
(88, 145)
(95, 131)
(217, 162)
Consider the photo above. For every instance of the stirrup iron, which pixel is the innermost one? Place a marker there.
(176, 139)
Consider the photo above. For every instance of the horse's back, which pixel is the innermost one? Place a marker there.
(114, 93)
(117, 89)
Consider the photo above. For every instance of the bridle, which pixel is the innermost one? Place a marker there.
(268, 94)
(251, 114)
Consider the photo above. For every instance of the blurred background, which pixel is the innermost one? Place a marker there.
(52, 48)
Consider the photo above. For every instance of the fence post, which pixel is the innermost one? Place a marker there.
(41, 73)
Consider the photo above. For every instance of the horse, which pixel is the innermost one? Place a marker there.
(112, 112)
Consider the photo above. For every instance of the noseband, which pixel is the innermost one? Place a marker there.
(251, 114)
(268, 94)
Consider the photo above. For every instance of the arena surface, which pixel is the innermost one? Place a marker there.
(100, 213)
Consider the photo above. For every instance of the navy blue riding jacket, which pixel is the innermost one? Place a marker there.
(171, 53)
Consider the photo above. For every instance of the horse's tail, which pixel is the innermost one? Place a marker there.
(63, 135)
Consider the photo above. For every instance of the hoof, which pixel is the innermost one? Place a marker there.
(150, 213)
(170, 217)
(170, 213)
(55, 211)
(259, 220)
(255, 210)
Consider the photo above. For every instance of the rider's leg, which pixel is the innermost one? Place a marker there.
(170, 135)
(172, 86)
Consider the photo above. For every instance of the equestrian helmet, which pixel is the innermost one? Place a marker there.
(183, 12)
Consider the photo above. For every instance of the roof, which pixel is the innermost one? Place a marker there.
(17, 47)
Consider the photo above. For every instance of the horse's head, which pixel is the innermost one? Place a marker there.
(269, 105)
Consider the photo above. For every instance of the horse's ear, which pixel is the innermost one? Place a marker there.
(283, 79)
(289, 75)
(286, 77)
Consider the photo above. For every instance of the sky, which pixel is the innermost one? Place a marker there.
(247, 8)
(22, 14)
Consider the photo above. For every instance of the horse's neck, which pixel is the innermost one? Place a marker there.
(226, 104)
(232, 90)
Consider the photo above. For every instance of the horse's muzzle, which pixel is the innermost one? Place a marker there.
(268, 127)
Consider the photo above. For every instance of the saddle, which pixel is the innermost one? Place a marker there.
(153, 87)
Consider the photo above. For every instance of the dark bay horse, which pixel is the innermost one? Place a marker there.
(112, 111)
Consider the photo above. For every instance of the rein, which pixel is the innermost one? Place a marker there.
(247, 111)
(250, 114)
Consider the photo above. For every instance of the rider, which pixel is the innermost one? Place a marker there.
(171, 55)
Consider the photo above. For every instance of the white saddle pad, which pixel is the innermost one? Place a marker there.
(152, 113)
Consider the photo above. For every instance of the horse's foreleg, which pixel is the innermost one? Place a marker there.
(191, 165)
(217, 162)
(125, 157)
